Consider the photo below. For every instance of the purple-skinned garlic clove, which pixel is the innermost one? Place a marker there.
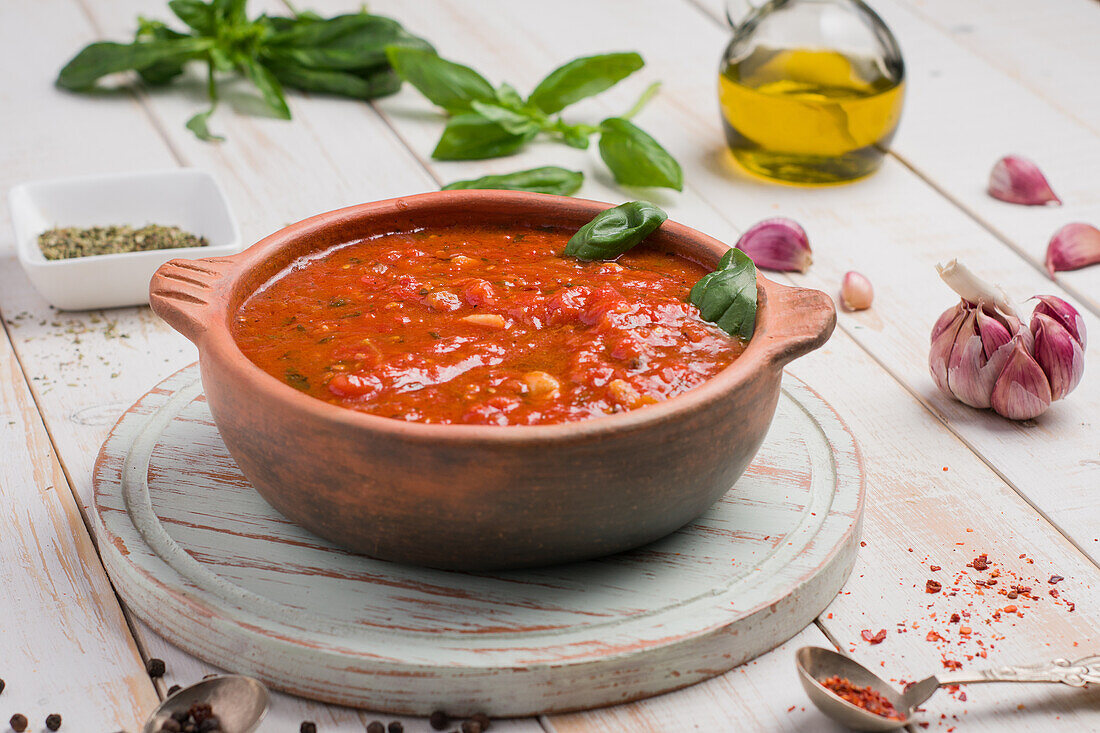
(1072, 247)
(777, 244)
(1063, 313)
(1019, 181)
(1058, 354)
(856, 292)
(1021, 391)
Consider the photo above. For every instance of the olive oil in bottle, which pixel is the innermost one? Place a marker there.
(809, 116)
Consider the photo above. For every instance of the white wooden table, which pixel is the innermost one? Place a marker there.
(945, 483)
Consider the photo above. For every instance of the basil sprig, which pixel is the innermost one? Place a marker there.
(343, 55)
(727, 296)
(550, 179)
(614, 231)
(490, 122)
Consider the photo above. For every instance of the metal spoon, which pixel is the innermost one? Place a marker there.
(815, 663)
(239, 702)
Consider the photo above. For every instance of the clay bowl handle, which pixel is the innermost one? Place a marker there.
(807, 321)
(182, 291)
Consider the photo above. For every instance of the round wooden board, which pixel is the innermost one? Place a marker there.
(201, 558)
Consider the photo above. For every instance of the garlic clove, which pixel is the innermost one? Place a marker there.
(856, 292)
(993, 333)
(1063, 313)
(1058, 354)
(973, 289)
(1021, 391)
(970, 373)
(1072, 247)
(777, 244)
(944, 334)
(1019, 181)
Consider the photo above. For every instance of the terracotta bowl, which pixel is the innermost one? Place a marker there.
(476, 497)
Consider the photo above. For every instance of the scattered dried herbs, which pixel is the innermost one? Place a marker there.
(64, 243)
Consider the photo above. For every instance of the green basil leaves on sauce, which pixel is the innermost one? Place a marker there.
(615, 230)
(727, 296)
(549, 179)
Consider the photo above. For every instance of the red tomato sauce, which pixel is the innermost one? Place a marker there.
(477, 325)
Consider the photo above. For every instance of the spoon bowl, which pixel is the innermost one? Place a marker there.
(240, 703)
(815, 663)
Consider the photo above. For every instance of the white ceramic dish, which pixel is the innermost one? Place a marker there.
(188, 198)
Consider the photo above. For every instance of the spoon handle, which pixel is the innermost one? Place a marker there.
(1076, 673)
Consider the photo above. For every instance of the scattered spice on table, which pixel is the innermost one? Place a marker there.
(18, 722)
(396, 727)
(64, 243)
(933, 586)
(471, 726)
(376, 726)
(481, 719)
(1, 685)
(173, 690)
(307, 726)
(155, 667)
(872, 637)
(439, 720)
(862, 697)
(53, 721)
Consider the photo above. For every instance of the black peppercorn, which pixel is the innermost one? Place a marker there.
(53, 721)
(482, 720)
(375, 726)
(18, 722)
(173, 690)
(1, 685)
(307, 726)
(396, 727)
(438, 720)
(471, 726)
(155, 667)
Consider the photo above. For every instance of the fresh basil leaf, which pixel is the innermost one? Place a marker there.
(370, 84)
(550, 179)
(615, 230)
(100, 59)
(507, 95)
(197, 124)
(470, 136)
(446, 84)
(198, 16)
(583, 77)
(513, 122)
(232, 12)
(635, 158)
(160, 72)
(269, 87)
(727, 296)
(344, 42)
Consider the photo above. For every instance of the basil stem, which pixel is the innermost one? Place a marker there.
(615, 230)
(727, 296)
(550, 179)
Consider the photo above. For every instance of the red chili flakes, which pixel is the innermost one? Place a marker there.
(981, 562)
(1010, 609)
(872, 637)
(863, 697)
(934, 568)
(955, 618)
(952, 664)
(933, 586)
(933, 636)
(1055, 579)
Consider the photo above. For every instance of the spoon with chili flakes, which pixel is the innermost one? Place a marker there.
(853, 696)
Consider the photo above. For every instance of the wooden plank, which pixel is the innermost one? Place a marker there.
(65, 645)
